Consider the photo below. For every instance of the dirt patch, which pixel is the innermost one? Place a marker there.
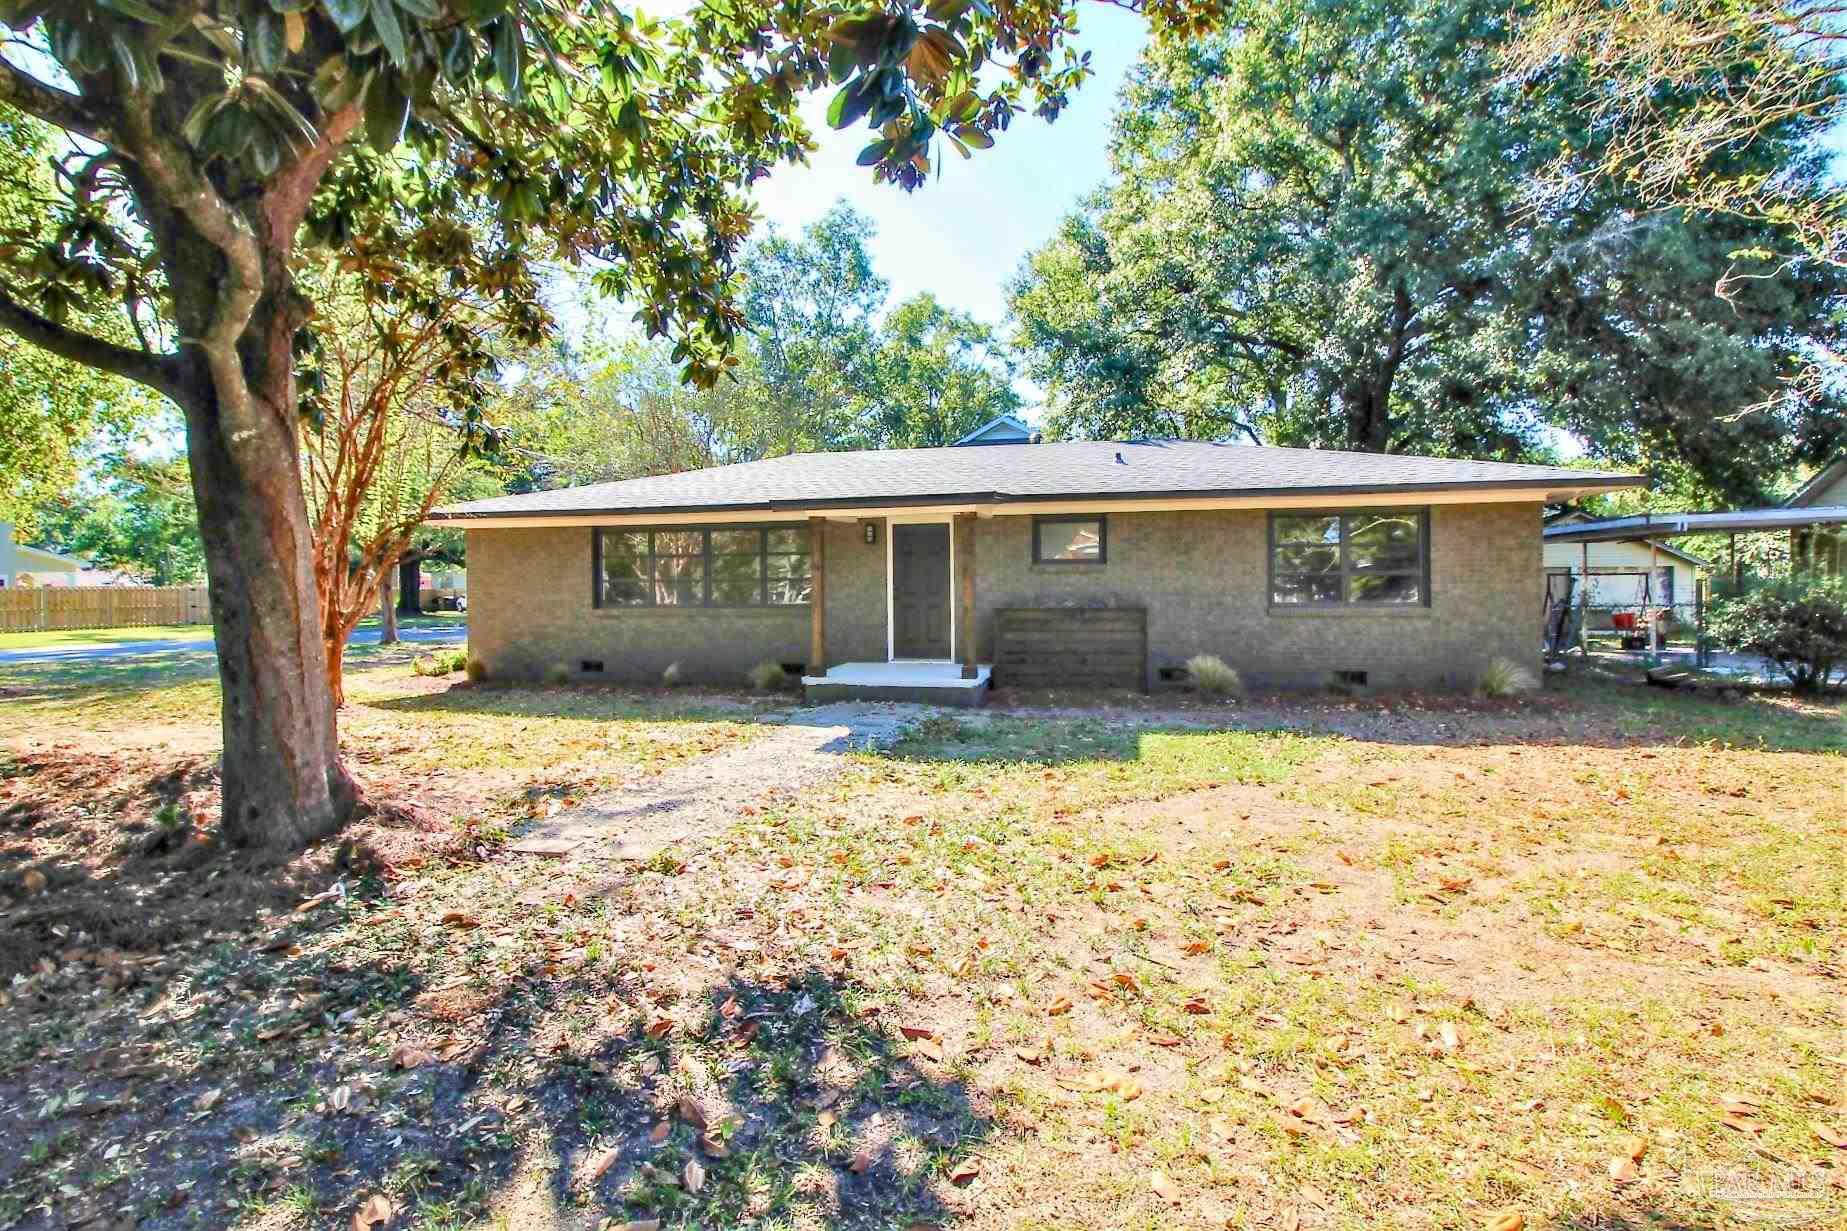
(108, 854)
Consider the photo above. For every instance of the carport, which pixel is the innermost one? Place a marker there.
(1651, 527)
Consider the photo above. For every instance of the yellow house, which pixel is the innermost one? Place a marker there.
(21, 565)
(1820, 547)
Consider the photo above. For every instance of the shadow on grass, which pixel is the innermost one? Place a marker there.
(553, 1099)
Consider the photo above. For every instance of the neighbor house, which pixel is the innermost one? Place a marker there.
(1637, 573)
(1822, 548)
(21, 565)
(1081, 563)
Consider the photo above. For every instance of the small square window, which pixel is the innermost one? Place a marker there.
(1070, 540)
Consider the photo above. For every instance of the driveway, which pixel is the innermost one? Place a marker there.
(419, 634)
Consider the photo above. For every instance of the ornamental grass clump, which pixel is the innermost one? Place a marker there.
(1505, 678)
(1210, 675)
(767, 676)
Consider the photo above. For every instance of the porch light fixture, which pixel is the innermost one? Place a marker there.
(871, 531)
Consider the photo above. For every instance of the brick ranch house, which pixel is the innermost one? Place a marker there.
(893, 573)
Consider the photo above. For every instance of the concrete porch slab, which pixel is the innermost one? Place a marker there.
(928, 683)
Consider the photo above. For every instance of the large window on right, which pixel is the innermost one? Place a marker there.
(1371, 558)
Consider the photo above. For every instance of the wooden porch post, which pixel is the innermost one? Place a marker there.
(965, 560)
(817, 596)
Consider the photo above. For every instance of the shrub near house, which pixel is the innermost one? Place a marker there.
(1799, 624)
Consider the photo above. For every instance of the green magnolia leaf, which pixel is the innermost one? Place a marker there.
(842, 59)
(422, 10)
(874, 153)
(849, 104)
(302, 132)
(509, 55)
(264, 153)
(346, 14)
(458, 54)
(194, 126)
(125, 60)
(975, 137)
(265, 41)
(947, 10)
(390, 32)
(888, 108)
(387, 111)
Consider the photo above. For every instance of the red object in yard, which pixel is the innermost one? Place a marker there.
(1622, 621)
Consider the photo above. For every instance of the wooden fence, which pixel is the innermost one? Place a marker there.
(38, 609)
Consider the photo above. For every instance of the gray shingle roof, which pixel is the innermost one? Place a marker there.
(1087, 470)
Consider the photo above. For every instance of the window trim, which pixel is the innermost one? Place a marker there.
(1066, 519)
(706, 556)
(1347, 570)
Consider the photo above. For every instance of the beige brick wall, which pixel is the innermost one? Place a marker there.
(1202, 577)
(529, 607)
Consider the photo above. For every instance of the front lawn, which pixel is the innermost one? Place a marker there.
(1306, 963)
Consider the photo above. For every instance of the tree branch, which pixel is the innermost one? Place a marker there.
(56, 107)
(158, 372)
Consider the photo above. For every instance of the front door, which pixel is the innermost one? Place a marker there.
(920, 591)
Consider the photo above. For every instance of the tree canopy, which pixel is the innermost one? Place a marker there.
(210, 141)
(50, 408)
(822, 364)
(1324, 229)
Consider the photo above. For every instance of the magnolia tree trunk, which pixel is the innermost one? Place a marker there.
(236, 307)
(283, 782)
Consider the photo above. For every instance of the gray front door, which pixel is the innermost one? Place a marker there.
(920, 591)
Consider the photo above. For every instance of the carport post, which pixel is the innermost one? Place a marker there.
(1584, 602)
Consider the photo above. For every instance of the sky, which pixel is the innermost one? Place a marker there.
(963, 235)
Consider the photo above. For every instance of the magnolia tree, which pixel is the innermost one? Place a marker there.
(213, 141)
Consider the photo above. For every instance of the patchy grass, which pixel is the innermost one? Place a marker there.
(1409, 962)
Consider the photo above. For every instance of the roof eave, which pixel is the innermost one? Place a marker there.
(1575, 484)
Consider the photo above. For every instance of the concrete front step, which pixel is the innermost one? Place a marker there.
(926, 683)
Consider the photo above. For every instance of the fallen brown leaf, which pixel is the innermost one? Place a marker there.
(603, 1163)
(374, 1211)
(693, 1175)
(1164, 1188)
(410, 1056)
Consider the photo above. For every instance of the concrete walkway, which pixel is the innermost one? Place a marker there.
(418, 634)
(699, 799)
